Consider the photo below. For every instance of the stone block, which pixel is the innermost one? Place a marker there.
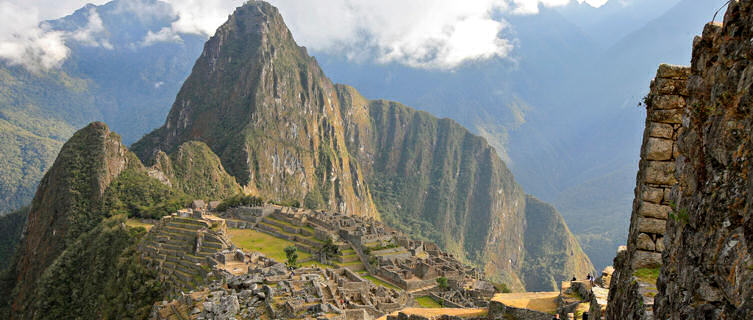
(644, 259)
(669, 71)
(668, 102)
(651, 194)
(660, 172)
(660, 244)
(658, 149)
(652, 210)
(666, 200)
(671, 86)
(671, 116)
(660, 130)
(651, 225)
(644, 242)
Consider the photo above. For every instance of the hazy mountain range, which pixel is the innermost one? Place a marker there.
(562, 109)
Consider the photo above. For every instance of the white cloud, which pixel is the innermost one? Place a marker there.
(93, 34)
(420, 33)
(164, 35)
(201, 16)
(24, 42)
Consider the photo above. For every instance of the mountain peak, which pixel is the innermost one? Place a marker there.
(68, 200)
(264, 106)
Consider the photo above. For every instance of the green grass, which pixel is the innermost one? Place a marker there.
(270, 246)
(647, 275)
(428, 302)
(380, 282)
(136, 223)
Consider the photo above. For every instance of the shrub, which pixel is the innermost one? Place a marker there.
(240, 200)
(442, 281)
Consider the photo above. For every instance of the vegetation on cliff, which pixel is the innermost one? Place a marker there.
(98, 276)
(76, 237)
(11, 226)
(136, 194)
(194, 169)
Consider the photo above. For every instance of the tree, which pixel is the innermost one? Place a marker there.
(292, 255)
(329, 249)
(442, 281)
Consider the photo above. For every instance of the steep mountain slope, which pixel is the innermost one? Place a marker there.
(285, 132)
(270, 114)
(76, 255)
(68, 202)
(11, 227)
(40, 110)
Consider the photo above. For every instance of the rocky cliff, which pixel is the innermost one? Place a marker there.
(286, 132)
(708, 263)
(265, 107)
(696, 238)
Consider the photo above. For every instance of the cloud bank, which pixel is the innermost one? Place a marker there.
(438, 34)
(420, 33)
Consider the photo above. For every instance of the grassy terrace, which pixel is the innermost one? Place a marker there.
(379, 282)
(133, 223)
(428, 302)
(252, 240)
(647, 275)
(278, 229)
(270, 246)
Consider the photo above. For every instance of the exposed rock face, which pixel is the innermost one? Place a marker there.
(707, 259)
(68, 201)
(708, 256)
(287, 133)
(265, 107)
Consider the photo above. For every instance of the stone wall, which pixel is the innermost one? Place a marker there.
(500, 311)
(656, 176)
(708, 260)
(665, 103)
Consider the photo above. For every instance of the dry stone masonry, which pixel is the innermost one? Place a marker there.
(182, 248)
(665, 103)
(706, 266)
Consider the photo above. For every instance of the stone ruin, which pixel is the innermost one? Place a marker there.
(652, 207)
(182, 248)
(411, 265)
(271, 290)
(250, 284)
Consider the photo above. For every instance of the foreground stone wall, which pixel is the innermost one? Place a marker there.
(707, 270)
(708, 262)
(665, 103)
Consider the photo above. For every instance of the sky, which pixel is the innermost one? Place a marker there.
(437, 34)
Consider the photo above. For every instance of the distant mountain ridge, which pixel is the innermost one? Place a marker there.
(125, 82)
(561, 111)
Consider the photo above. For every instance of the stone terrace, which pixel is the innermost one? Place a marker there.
(181, 247)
